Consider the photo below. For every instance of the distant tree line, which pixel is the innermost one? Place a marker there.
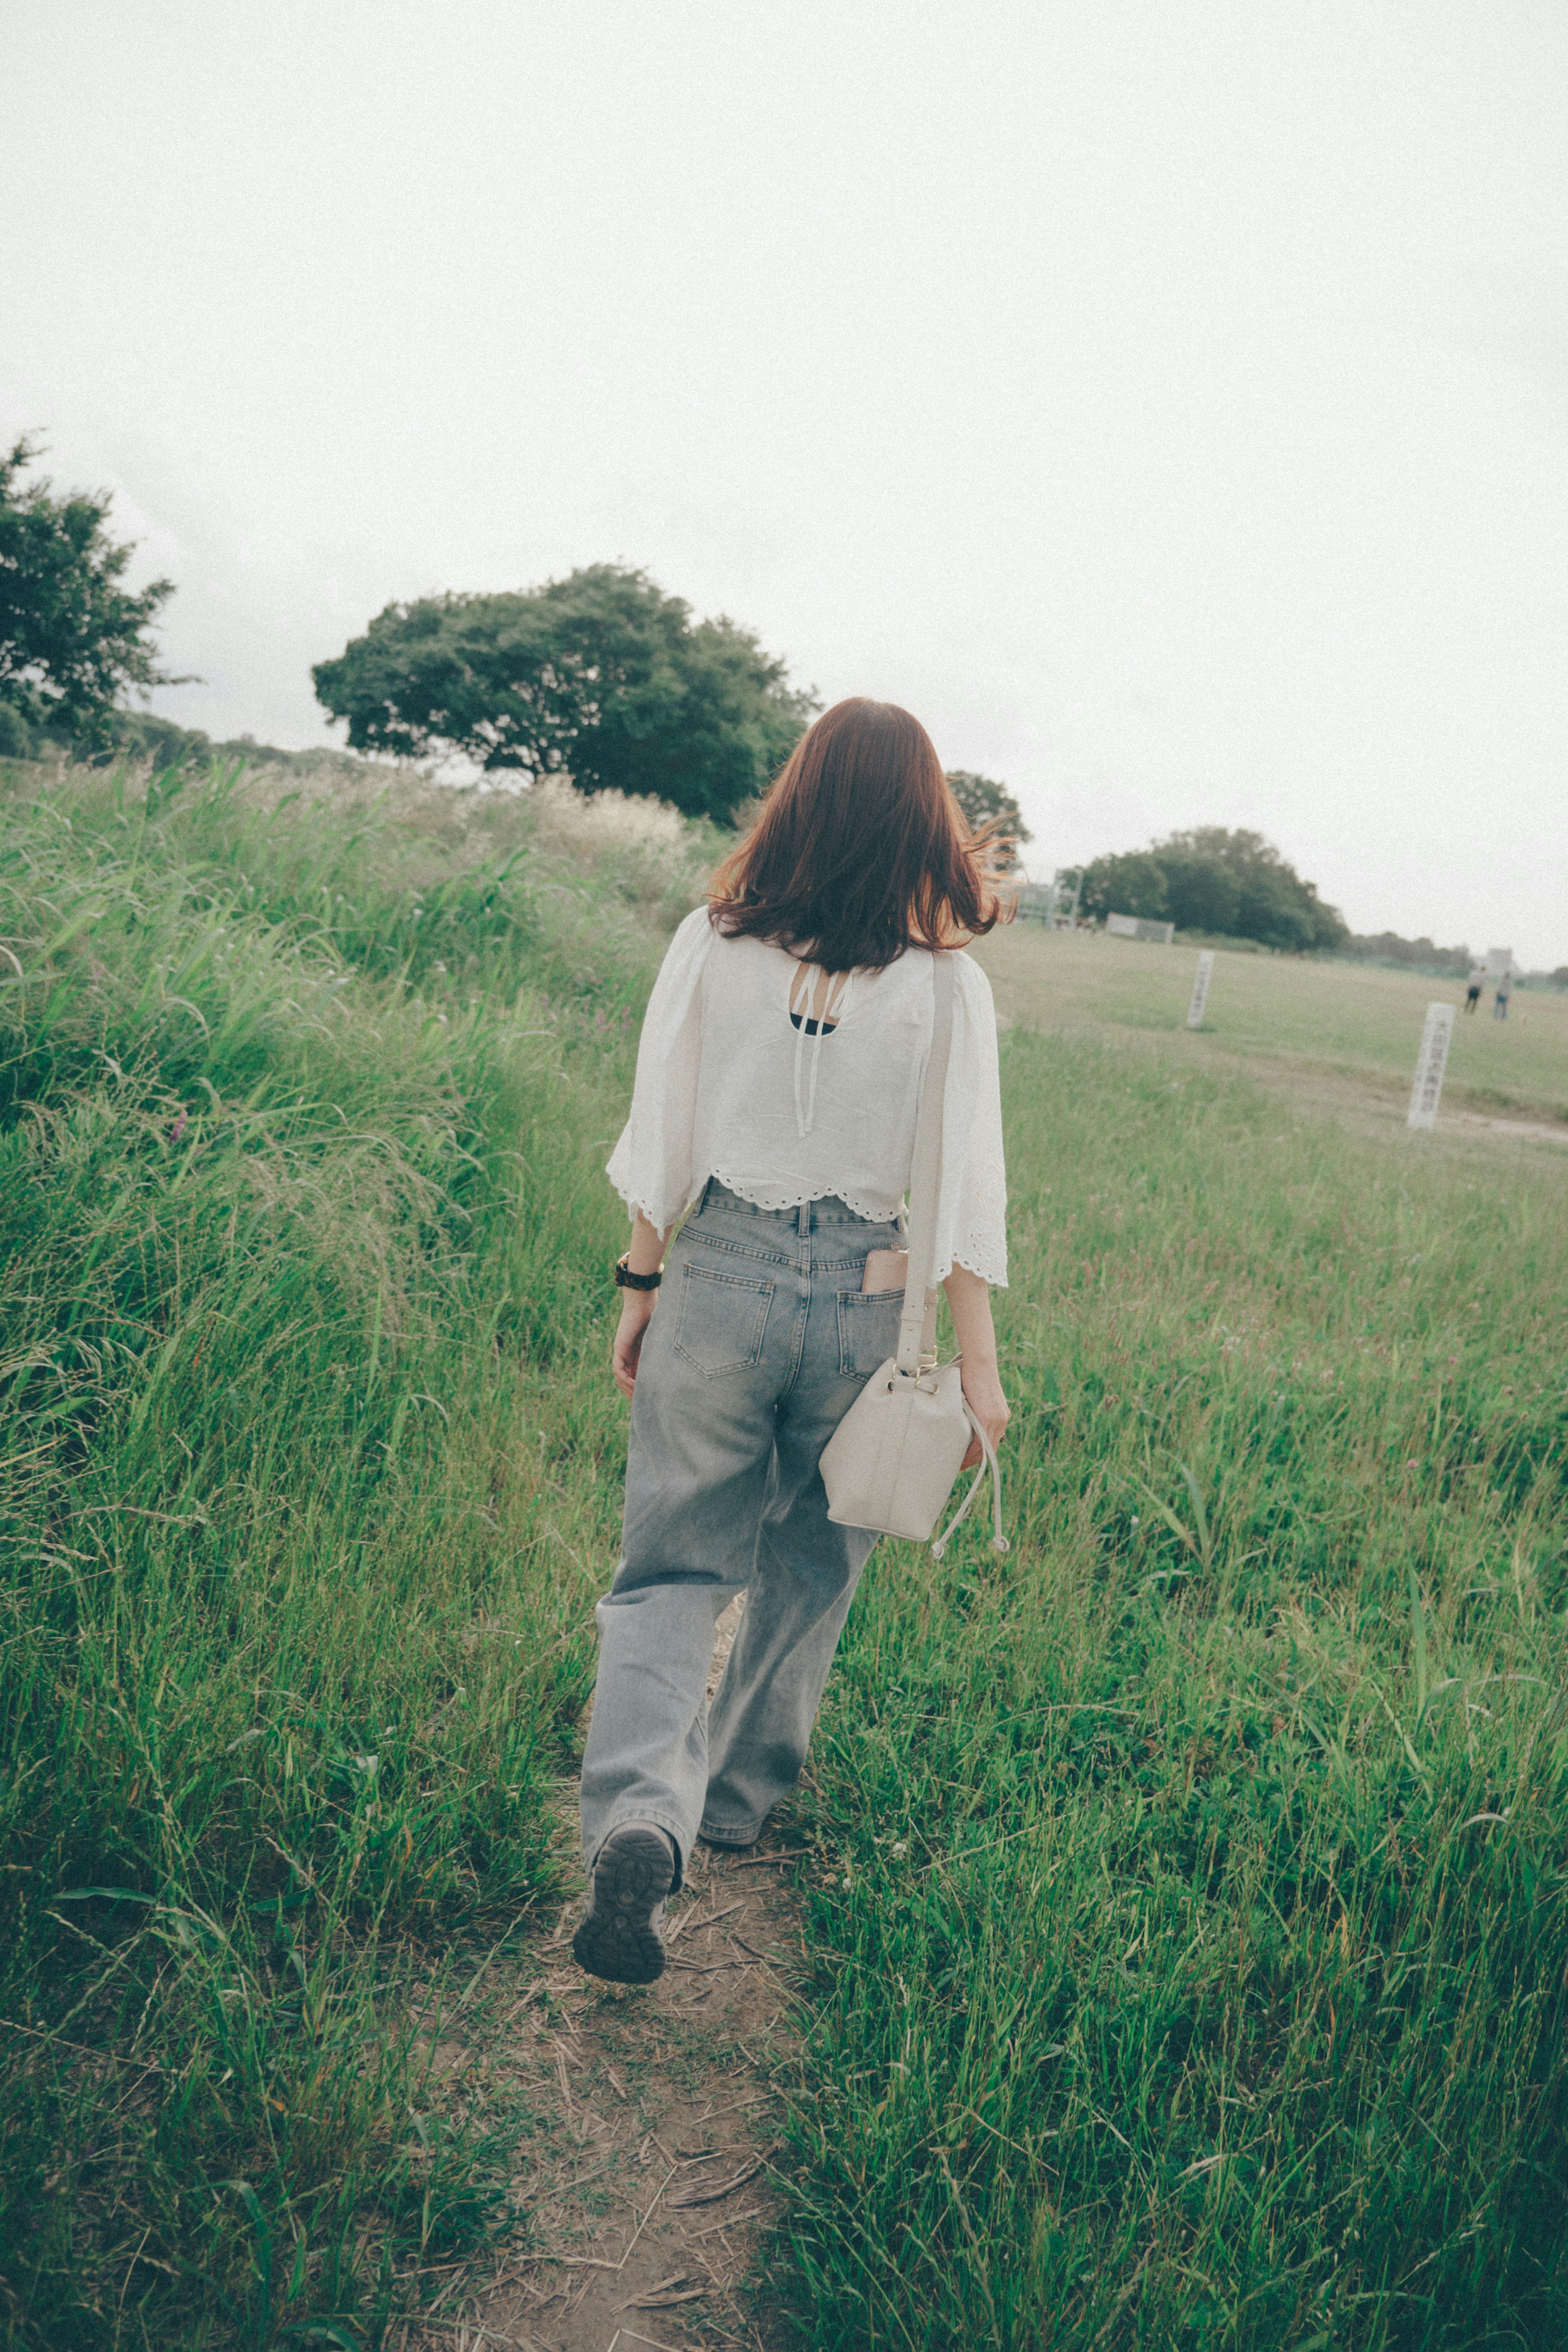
(1231, 885)
(1410, 955)
(600, 675)
(1446, 963)
(143, 735)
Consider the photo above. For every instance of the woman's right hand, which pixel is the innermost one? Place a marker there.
(637, 1314)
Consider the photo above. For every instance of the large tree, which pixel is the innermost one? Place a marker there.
(1211, 880)
(985, 802)
(72, 639)
(1132, 884)
(1267, 899)
(601, 676)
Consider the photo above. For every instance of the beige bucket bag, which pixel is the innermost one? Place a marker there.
(892, 1461)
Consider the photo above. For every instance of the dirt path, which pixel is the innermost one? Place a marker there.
(645, 2183)
(1519, 1130)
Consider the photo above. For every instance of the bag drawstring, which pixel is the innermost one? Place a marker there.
(988, 1462)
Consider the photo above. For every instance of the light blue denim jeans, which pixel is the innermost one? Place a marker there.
(761, 1341)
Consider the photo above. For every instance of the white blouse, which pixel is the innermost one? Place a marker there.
(731, 1084)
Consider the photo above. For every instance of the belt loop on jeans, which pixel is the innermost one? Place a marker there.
(803, 1226)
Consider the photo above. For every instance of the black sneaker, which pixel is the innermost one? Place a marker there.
(620, 1936)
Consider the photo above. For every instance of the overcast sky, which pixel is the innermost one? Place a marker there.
(1169, 401)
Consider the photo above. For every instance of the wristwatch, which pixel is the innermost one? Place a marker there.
(626, 1280)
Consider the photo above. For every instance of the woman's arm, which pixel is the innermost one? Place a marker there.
(970, 1299)
(651, 1166)
(646, 1255)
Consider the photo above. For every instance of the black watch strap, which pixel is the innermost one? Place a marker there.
(626, 1280)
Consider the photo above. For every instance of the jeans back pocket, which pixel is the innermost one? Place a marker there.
(721, 1319)
(868, 1329)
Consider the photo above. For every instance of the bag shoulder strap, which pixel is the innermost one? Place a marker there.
(917, 1324)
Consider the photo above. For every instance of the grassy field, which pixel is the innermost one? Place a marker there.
(1187, 1887)
(1323, 1027)
(1200, 1926)
(307, 1482)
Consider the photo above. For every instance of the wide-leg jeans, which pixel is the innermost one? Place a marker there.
(761, 1340)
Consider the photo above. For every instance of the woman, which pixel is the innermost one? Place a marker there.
(778, 1079)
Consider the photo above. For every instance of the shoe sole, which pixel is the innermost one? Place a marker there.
(617, 1940)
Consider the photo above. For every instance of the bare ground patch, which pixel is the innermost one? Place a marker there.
(645, 2184)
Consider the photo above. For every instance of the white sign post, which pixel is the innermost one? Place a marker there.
(1432, 1061)
(1200, 989)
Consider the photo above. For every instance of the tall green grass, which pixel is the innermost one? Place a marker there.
(1189, 1901)
(1195, 1939)
(307, 1476)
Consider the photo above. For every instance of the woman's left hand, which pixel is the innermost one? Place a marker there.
(969, 1296)
(637, 1314)
(983, 1395)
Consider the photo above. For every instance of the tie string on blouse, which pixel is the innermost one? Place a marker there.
(835, 1004)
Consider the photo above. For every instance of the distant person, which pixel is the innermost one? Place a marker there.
(1499, 1001)
(1474, 986)
(779, 1077)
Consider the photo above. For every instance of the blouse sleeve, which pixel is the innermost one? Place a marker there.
(972, 1214)
(651, 1166)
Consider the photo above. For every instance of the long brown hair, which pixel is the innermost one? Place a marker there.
(861, 849)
